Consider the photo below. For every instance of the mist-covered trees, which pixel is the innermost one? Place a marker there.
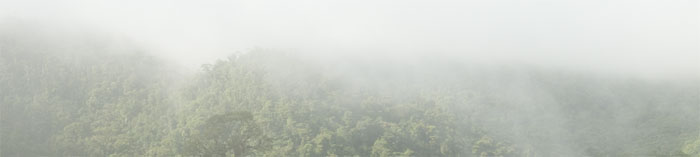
(73, 100)
(692, 147)
(234, 133)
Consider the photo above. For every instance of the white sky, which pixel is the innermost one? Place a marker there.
(622, 35)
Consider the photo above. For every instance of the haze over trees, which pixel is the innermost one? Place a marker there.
(90, 97)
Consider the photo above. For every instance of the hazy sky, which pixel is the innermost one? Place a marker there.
(627, 35)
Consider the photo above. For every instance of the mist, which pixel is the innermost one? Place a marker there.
(649, 36)
(349, 78)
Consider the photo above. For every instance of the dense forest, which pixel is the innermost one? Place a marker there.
(89, 97)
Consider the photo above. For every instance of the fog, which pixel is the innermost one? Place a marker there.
(349, 78)
(648, 36)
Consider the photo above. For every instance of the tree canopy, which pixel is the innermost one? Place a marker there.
(265, 103)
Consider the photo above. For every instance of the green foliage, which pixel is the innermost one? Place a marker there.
(692, 147)
(264, 103)
(228, 134)
(487, 146)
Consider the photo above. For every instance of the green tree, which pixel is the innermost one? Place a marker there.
(234, 133)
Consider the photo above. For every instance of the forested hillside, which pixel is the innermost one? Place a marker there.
(86, 98)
